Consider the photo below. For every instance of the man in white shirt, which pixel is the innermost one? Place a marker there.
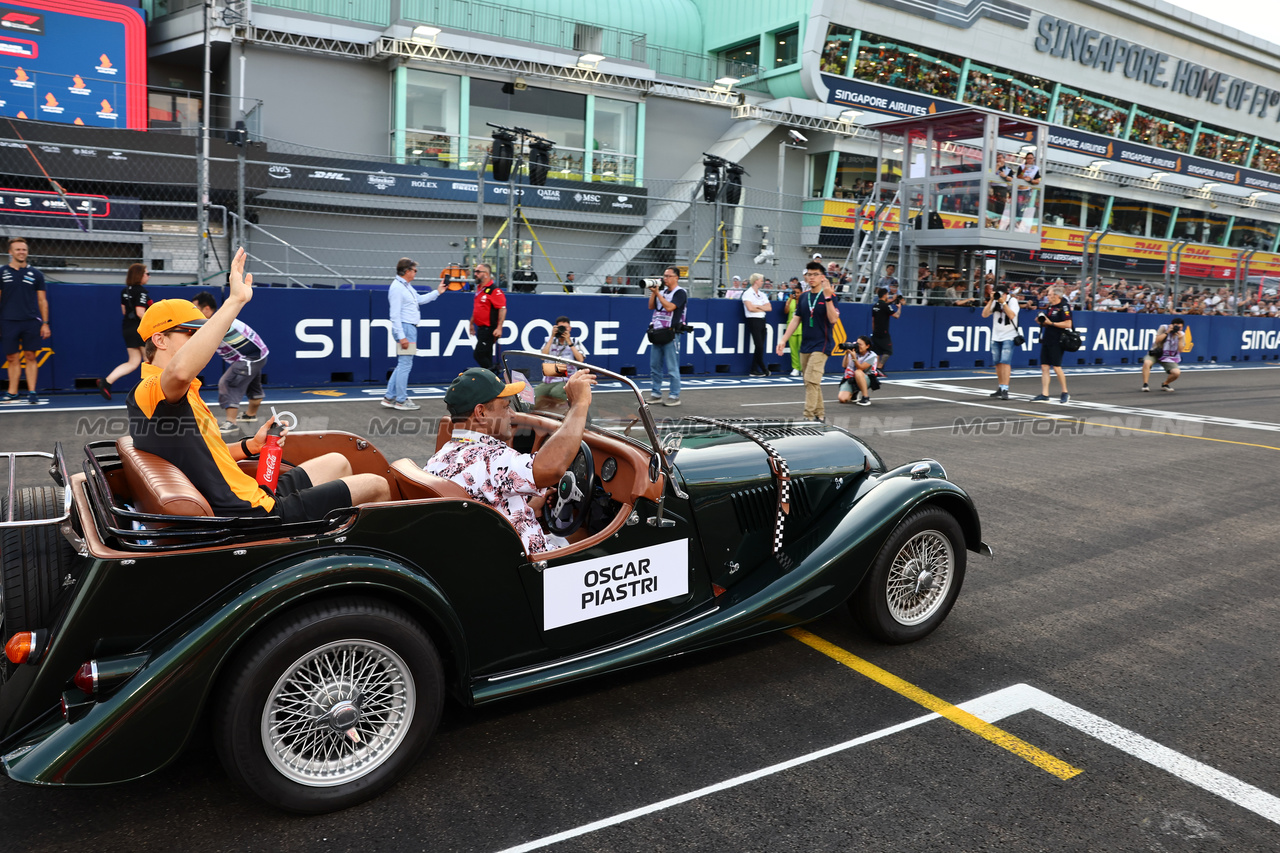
(1108, 302)
(404, 302)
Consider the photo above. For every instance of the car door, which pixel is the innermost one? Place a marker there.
(646, 575)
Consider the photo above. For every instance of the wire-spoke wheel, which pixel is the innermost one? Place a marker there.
(329, 706)
(919, 577)
(338, 712)
(915, 578)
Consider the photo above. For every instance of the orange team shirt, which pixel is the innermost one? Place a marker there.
(186, 434)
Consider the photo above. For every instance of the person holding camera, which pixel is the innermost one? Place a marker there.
(815, 317)
(1053, 319)
(860, 363)
(667, 302)
(756, 306)
(405, 313)
(888, 307)
(1167, 350)
(1003, 306)
(560, 343)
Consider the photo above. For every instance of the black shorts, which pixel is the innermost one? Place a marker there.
(298, 500)
(1051, 354)
(882, 345)
(129, 329)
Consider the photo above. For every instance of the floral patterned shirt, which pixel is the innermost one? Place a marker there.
(494, 474)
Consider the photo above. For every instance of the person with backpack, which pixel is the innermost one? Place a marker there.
(1167, 349)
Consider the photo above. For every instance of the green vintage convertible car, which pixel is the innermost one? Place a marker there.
(323, 652)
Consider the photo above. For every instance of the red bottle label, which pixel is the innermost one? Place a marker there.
(269, 465)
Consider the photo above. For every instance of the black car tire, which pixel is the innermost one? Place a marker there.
(892, 603)
(33, 562)
(314, 663)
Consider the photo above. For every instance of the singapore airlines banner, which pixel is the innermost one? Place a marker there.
(341, 339)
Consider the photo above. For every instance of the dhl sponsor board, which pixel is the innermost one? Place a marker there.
(1203, 261)
(844, 214)
(1215, 261)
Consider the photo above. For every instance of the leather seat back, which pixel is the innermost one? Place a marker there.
(444, 432)
(416, 484)
(158, 486)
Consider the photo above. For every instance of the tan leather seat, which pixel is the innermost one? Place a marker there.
(416, 484)
(444, 432)
(158, 486)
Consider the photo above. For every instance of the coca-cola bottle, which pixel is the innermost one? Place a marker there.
(269, 459)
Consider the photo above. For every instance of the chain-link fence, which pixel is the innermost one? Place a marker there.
(319, 218)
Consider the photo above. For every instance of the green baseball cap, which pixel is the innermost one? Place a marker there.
(475, 386)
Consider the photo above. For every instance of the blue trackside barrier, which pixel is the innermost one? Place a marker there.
(321, 336)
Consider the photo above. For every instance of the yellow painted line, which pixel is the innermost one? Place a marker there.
(941, 707)
(1152, 431)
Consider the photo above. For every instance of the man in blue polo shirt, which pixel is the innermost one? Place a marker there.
(816, 315)
(24, 316)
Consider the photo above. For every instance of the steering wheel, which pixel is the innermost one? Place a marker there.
(566, 510)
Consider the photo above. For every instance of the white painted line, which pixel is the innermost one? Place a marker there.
(548, 840)
(991, 708)
(1159, 414)
(1024, 697)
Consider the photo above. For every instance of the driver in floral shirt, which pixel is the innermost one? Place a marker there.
(479, 458)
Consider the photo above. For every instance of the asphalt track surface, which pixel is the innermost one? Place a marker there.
(1121, 647)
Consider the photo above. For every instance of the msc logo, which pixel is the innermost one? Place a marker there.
(329, 176)
(280, 173)
(586, 198)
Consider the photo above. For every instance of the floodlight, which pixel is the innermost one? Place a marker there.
(425, 35)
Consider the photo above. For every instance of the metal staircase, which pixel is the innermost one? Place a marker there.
(869, 250)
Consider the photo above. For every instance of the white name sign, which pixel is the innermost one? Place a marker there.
(579, 591)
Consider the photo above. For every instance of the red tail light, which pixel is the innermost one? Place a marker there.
(87, 678)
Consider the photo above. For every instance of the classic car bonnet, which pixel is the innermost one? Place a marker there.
(732, 490)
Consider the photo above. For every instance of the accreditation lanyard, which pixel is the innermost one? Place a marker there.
(814, 299)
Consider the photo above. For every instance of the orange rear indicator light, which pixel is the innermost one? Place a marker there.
(18, 649)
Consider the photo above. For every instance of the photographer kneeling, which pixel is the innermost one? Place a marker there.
(560, 343)
(859, 372)
(1167, 350)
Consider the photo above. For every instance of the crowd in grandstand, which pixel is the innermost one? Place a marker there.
(950, 288)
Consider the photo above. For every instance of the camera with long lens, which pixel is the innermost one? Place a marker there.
(845, 346)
